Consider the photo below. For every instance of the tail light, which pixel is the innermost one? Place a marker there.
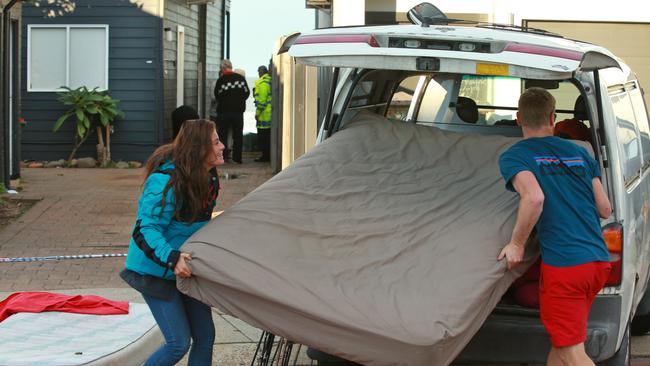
(339, 38)
(544, 51)
(613, 235)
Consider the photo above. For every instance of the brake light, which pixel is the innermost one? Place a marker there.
(339, 38)
(543, 50)
(613, 235)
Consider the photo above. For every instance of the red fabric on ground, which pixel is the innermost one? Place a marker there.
(36, 302)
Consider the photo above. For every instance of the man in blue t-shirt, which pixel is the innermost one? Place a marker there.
(560, 193)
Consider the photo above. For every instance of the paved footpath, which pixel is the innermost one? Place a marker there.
(91, 211)
(88, 211)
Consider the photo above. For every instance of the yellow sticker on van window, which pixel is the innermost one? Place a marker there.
(492, 69)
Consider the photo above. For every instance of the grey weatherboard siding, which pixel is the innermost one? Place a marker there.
(135, 37)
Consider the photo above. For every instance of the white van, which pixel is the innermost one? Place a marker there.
(468, 78)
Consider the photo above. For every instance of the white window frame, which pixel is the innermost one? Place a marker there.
(67, 27)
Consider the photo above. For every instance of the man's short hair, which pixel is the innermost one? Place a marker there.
(226, 64)
(263, 69)
(535, 107)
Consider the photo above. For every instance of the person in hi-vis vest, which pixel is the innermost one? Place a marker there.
(262, 95)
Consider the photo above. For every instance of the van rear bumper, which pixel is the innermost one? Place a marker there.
(519, 336)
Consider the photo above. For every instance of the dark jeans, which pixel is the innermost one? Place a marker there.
(234, 122)
(180, 320)
(264, 143)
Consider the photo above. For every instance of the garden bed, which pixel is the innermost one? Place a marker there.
(12, 208)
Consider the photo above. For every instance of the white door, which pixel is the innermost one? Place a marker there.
(180, 65)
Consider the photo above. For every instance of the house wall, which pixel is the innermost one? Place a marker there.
(178, 13)
(214, 45)
(135, 69)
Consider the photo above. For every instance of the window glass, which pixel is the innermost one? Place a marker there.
(433, 99)
(642, 122)
(565, 99)
(67, 55)
(497, 91)
(88, 58)
(402, 98)
(47, 58)
(629, 148)
(361, 93)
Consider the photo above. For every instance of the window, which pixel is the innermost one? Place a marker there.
(566, 95)
(401, 100)
(642, 122)
(67, 55)
(629, 148)
(434, 99)
(495, 91)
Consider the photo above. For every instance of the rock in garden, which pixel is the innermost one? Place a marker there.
(86, 163)
(55, 164)
(35, 165)
(122, 165)
(135, 164)
(73, 163)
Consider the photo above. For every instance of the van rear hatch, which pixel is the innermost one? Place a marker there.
(466, 50)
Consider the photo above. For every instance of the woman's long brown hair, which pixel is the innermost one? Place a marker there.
(190, 179)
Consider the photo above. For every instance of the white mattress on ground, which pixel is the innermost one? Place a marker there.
(57, 338)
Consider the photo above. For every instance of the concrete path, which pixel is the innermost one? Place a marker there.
(89, 211)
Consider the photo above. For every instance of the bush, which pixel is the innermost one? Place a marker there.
(93, 110)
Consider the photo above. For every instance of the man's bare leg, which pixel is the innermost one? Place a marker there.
(569, 356)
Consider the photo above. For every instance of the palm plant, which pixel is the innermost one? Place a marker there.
(93, 110)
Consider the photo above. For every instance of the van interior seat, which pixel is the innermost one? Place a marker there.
(467, 110)
(580, 109)
(586, 145)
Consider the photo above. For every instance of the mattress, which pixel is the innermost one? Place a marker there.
(57, 338)
(378, 246)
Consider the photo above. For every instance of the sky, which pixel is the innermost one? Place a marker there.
(257, 24)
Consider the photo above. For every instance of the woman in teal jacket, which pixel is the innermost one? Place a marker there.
(177, 199)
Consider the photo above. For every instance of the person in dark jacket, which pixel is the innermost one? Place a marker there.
(178, 196)
(231, 92)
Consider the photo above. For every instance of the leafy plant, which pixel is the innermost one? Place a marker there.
(3, 190)
(92, 110)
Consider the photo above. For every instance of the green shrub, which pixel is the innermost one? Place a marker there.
(92, 110)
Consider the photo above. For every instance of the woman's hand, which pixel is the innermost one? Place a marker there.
(181, 269)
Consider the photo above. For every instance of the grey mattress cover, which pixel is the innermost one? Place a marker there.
(379, 245)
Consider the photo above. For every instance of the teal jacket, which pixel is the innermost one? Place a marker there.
(157, 235)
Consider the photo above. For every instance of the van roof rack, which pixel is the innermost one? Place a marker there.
(426, 14)
(517, 28)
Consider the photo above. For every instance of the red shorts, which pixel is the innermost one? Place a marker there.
(565, 297)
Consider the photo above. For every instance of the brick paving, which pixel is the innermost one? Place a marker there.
(87, 211)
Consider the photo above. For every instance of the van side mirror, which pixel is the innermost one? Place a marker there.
(425, 14)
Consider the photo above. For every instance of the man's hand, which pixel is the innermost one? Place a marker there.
(181, 269)
(513, 254)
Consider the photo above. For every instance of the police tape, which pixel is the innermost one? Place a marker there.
(60, 257)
